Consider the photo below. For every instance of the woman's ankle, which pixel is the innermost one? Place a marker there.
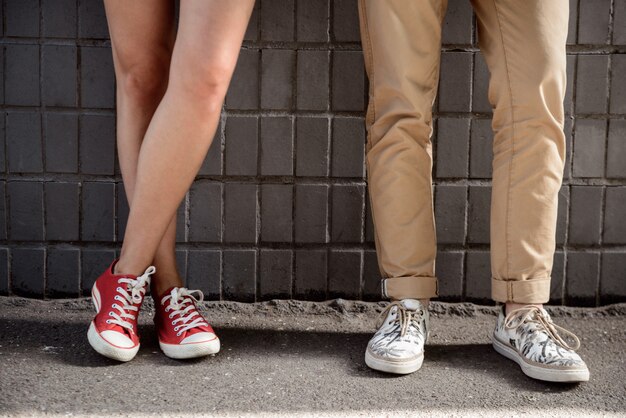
(122, 268)
(161, 284)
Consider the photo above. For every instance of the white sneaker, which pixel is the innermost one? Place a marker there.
(529, 337)
(398, 345)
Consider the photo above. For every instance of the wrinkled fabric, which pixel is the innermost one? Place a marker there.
(524, 46)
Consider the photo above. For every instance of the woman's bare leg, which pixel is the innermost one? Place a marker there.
(180, 133)
(142, 38)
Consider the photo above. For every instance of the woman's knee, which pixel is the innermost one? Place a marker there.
(203, 81)
(144, 80)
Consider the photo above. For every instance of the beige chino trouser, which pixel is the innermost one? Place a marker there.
(523, 42)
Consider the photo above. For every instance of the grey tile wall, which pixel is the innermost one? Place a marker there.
(280, 207)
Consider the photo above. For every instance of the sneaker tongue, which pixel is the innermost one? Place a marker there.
(545, 313)
(167, 292)
(158, 298)
(411, 304)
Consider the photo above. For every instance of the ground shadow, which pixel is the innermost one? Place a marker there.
(482, 357)
(66, 342)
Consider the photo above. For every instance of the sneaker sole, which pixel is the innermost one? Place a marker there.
(192, 350)
(101, 345)
(392, 366)
(537, 372)
(106, 349)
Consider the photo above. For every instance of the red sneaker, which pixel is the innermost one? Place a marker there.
(117, 299)
(183, 331)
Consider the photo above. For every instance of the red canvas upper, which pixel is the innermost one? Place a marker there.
(111, 294)
(178, 305)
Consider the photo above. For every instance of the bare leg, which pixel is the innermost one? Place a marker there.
(142, 38)
(180, 133)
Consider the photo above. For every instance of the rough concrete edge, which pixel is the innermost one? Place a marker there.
(339, 307)
(513, 412)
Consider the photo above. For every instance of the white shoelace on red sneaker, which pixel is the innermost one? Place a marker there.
(132, 293)
(181, 304)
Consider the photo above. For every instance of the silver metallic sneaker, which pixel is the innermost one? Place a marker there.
(398, 345)
(529, 337)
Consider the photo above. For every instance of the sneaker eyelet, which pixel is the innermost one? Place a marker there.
(108, 321)
(178, 334)
(167, 309)
(171, 315)
(110, 313)
(176, 328)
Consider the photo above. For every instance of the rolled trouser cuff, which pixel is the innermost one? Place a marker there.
(521, 291)
(412, 287)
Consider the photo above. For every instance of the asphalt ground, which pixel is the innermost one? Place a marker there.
(291, 358)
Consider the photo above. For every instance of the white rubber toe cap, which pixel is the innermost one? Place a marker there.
(117, 339)
(199, 337)
(113, 348)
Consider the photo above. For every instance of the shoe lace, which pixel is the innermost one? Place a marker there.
(129, 295)
(536, 315)
(404, 317)
(182, 303)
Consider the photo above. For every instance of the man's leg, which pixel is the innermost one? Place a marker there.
(524, 46)
(401, 45)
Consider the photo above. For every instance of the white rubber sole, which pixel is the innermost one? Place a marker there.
(191, 350)
(393, 366)
(541, 373)
(101, 345)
